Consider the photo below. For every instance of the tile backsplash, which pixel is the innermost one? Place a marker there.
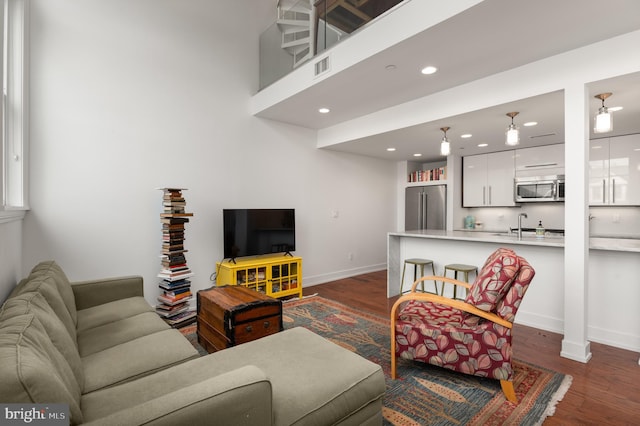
(605, 221)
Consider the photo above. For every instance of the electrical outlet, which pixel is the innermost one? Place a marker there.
(616, 218)
(350, 256)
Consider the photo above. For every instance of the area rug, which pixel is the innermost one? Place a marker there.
(422, 394)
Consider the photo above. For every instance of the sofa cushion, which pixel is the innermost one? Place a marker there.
(136, 358)
(51, 269)
(111, 312)
(32, 369)
(240, 396)
(322, 384)
(34, 303)
(115, 333)
(494, 279)
(45, 285)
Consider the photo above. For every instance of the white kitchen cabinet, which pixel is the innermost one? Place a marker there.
(540, 161)
(614, 171)
(488, 180)
(598, 171)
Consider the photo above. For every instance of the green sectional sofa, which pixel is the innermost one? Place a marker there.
(99, 347)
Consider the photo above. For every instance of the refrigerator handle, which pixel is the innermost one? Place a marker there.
(424, 211)
(419, 210)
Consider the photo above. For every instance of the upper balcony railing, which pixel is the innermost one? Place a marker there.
(306, 28)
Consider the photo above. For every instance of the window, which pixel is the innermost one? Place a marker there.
(15, 129)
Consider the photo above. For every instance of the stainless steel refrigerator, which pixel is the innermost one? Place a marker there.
(425, 207)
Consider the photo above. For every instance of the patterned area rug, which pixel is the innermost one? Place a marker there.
(422, 394)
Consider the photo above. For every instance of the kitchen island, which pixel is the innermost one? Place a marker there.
(613, 317)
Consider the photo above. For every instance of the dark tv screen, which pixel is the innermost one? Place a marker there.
(251, 232)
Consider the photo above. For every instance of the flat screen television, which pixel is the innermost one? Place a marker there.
(252, 232)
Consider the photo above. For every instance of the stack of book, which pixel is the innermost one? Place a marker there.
(439, 173)
(174, 302)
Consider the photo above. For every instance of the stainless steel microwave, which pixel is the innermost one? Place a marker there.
(532, 189)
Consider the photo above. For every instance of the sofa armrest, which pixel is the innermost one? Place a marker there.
(239, 397)
(96, 292)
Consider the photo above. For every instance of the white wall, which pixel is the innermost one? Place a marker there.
(10, 256)
(132, 96)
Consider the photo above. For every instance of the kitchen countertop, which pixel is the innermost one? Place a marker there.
(551, 240)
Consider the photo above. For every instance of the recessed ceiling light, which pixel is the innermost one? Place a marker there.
(482, 145)
(530, 123)
(324, 110)
(429, 70)
(390, 67)
(614, 109)
(466, 136)
(391, 149)
(417, 154)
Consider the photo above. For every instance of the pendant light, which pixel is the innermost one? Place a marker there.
(603, 120)
(512, 134)
(445, 146)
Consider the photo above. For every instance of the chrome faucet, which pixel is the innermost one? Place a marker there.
(520, 216)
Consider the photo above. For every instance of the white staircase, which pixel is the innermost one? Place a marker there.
(295, 23)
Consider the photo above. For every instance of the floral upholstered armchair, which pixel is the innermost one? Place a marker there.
(471, 336)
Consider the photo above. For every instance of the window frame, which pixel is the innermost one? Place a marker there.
(15, 108)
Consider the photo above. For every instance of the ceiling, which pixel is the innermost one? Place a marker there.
(512, 33)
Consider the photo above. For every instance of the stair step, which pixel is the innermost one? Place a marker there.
(295, 30)
(291, 23)
(293, 43)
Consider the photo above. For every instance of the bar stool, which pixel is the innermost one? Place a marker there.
(421, 263)
(459, 267)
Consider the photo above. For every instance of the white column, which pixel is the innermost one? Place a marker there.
(576, 213)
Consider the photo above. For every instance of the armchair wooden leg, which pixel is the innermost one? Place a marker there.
(393, 350)
(393, 341)
(509, 391)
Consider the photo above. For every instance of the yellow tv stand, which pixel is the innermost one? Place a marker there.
(276, 276)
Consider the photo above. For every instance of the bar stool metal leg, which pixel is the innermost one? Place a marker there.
(458, 267)
(417, 263)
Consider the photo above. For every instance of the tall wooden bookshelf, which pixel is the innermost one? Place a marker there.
(174, 303)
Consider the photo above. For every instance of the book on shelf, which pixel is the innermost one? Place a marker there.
(174, 276)
(181, 319)
(174, 266)
(178, 293)
(165, 285)
(170, 301)
(175, 220)
(174, 215)
(171, 313)
(168, 263)
(439, 173)
(171, 308)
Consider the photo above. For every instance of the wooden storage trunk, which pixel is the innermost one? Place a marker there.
(231, 315)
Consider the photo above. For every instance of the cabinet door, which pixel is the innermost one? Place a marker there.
(598, 172)
(624, 170)
(474, 181)
(500, 178)
(540, 160)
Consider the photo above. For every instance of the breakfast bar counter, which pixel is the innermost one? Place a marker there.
(612, 288)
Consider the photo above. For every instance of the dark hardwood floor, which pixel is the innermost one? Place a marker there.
(605, 391)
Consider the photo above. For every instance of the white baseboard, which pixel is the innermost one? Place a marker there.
(598, 335)
(310, 281)
(529, 319)
(614, 338)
